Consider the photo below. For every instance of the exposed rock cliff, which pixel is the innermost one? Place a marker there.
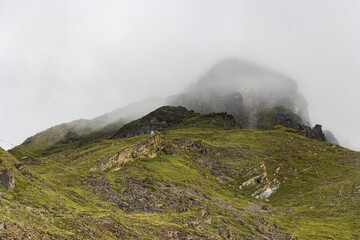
(242, 89)
(270, 117)
(158, 120)
(279, 115)
(169, 116)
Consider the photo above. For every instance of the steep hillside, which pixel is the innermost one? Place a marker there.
(195, 180)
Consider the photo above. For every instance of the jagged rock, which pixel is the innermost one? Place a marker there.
(7, 180)
(213, 101)
(148, 149)
(270, 117)
(279, 115)
(257, 179)
(264, 185)
(158, 120)
(313, 133)
(242, 88)
(169, 116)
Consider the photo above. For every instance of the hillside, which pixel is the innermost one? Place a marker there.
(89, 129)
(243, 89)
(194, 180)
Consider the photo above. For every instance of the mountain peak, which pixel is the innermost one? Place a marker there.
(243, 89)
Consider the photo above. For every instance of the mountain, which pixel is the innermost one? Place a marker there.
(232, 157)
(199, 176)
(244, 90)
(85, 130)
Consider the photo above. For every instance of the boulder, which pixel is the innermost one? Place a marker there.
(7, 179)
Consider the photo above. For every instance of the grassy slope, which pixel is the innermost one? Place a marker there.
(318, 195)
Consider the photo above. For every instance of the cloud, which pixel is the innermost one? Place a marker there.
(64, 60)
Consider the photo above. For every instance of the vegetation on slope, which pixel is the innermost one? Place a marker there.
(189, 183)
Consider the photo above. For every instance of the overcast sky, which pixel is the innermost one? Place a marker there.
(61, 60)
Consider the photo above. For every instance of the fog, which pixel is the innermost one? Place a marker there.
(62, 60)
(243, 89)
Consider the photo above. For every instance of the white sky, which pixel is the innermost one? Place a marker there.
(61, 60)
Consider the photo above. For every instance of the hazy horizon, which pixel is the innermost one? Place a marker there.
(65, 60)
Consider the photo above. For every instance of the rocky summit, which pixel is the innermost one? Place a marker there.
(239, 88)
(235, 156)
(242, 89)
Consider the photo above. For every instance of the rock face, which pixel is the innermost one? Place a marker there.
(158, 120)
(10, 169)
(213, 101)
(145, 195)
(149, 149)
(242, 89)
(278, 115)
(263, 185)
(169, 116)
(313, 133)
(271, 117)
(7, 180)
(239, 88)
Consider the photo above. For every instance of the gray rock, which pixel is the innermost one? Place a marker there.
(7, 180)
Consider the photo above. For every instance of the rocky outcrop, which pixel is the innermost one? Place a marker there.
(270, 117)
(169, 116)
(158, 120)
(242, 88)
(257, 179)
(264, 186)
(10, 170)
(213, 101)
(148, 149)
(279, 115)
(313, 133)
(7, 179)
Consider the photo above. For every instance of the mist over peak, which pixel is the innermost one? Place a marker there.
(243, 89)
(254, 95)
